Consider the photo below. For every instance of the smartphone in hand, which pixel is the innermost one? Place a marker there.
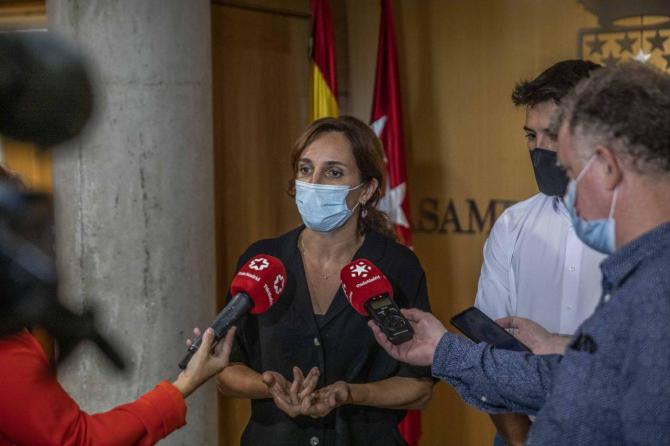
(477, 326)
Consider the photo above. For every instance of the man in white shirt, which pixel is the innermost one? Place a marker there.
(536, 270)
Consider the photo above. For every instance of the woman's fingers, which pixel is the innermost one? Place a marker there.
(281, 393)
(320, 407)
(298, 379)
(198, 368)
(223, 349)
(196, 333)
(276, 384)
(284, 405)
(296, 385)
(299, 396)
(206, 345)
(282, 401)
(310, 383)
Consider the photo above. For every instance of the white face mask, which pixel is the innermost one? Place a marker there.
(597, 234)
(323, 207)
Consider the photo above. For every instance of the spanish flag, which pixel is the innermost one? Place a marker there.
(323, 98)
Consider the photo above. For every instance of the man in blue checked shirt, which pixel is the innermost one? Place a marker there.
(612, 386)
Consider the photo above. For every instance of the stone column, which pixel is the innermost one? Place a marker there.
(134, 198)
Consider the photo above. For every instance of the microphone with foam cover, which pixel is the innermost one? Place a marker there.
(255, 288)
(370, 293)
(362, 281)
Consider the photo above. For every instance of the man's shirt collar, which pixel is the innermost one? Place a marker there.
(626, 259)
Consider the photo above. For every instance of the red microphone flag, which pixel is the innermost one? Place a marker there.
(362, 281)
(263, 279)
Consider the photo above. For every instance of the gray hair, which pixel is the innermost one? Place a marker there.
(625, 108)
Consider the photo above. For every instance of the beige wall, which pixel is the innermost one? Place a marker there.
(260, 80)
(459, 62)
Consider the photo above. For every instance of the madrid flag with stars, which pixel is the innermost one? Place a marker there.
(387, 124)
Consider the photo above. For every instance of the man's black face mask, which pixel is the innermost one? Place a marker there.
(550, 178)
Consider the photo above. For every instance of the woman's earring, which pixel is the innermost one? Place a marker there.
(364, 211)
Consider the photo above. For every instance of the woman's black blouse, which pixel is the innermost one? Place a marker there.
(341, 345)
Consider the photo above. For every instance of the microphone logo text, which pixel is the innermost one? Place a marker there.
(368, 281)
(266, 288)
(249, 275)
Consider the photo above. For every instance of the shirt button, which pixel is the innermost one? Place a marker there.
(569, 307)
(317, 343)
(571, 268)
(314, 441)
(483, 399)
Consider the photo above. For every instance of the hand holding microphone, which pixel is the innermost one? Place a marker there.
(255, 288)
(370, 293)
(206, 362)
(420, 350)
(408, 335)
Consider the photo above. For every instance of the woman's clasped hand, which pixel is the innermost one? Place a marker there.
(301, 396)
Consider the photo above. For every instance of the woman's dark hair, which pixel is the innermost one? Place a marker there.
(369, 156)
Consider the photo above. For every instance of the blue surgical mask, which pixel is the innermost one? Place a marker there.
(323, 207)
(597, 234)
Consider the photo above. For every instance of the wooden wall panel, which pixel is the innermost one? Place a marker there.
(260, 81)
(22, 15)
(33, 165)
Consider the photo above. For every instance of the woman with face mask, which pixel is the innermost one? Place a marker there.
(310, 365)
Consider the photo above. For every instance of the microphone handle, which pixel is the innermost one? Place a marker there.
(238, 306)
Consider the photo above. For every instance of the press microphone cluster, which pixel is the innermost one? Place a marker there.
(255, 288)
(370, 293)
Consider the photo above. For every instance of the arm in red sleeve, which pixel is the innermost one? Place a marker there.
(35, 409)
